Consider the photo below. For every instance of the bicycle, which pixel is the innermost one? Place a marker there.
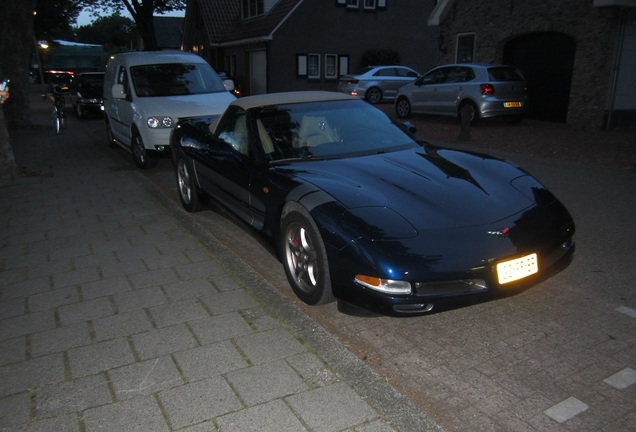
(57, 111)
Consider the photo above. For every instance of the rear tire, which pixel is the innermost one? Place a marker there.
(373, 95)
(469, 111)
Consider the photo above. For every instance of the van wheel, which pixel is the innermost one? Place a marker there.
(110, 136)
(142, 157)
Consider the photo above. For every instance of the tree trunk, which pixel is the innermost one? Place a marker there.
(16, 47)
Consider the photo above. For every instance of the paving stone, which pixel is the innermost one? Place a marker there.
(71, 396)
(340, 408)
(18, 377)
(60, 339)
(105, 287)
(120, 325)
(14, 411)
(210, 360)
(197, 402)
(622, 379)
(12, 350)
(566, 410)
(143, 279)
(313, 371)
(266, 382)
(145, 378)
(52, 299)
(139, 299)
(220, 327)
(229, 301)
(272, 416)
(268, 346)
(24, 288)
(132, 415)
(178, 312)
(100, 357)
(189, 289)
(167, 340)
(24, 324)
(11, 308)
(75, 277)
(85, 311)
(63, 423)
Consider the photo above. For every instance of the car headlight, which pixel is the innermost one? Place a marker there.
(387, 286)
(160, 122)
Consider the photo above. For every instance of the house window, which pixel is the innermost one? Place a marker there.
(253, 8)
(465, 48)
(313, 66)
(331, 66)
(353, 4)
(343, 65)
(369, 4)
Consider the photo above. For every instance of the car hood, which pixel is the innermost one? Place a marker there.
(185, 105)
(431, 189)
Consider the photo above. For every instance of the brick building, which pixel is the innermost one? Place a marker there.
(579, 56)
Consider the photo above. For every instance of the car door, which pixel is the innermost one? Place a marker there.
(451, 89)
(223, 164)
(425, 97)
(121, 113)
(392, 78)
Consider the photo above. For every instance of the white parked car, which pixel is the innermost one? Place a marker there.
(376, 83)
(145, 93)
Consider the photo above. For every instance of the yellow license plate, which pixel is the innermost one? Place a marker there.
(513, 104)
(513, 270)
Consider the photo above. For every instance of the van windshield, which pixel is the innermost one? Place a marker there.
(175, 79)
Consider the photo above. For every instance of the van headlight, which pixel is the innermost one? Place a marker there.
(160, 122)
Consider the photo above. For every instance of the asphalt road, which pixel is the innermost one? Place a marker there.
(558, 356)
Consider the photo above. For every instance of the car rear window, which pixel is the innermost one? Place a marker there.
(504, 74)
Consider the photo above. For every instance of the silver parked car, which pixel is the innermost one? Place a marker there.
(472, 90)
(376, 83)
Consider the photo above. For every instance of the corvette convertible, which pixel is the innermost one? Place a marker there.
(362, 212)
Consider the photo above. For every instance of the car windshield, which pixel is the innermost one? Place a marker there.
(91, 82)
(330, 129)
(173, 79)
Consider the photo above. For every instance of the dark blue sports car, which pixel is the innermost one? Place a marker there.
(360, 211)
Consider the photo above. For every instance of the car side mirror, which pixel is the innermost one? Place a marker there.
(118, 91)
(229, 84)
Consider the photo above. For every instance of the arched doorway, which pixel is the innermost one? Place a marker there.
(546, 59)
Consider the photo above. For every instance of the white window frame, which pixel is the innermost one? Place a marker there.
(334, 65)
(370, 4)
(313, 70)
(301, 65)
(343, 65)
(465, 59)
(353, 4)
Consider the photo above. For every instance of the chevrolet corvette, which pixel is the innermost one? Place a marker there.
(362, 212)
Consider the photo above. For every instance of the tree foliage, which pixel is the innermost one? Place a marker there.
(142, 12)
(115, 32)
(54, 19)
(378, 57)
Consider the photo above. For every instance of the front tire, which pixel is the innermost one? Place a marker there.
(142, 157)
(403, 108)
(188, 193)
(305, 257)
(373, 95)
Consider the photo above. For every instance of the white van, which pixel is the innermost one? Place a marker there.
(145, 93)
